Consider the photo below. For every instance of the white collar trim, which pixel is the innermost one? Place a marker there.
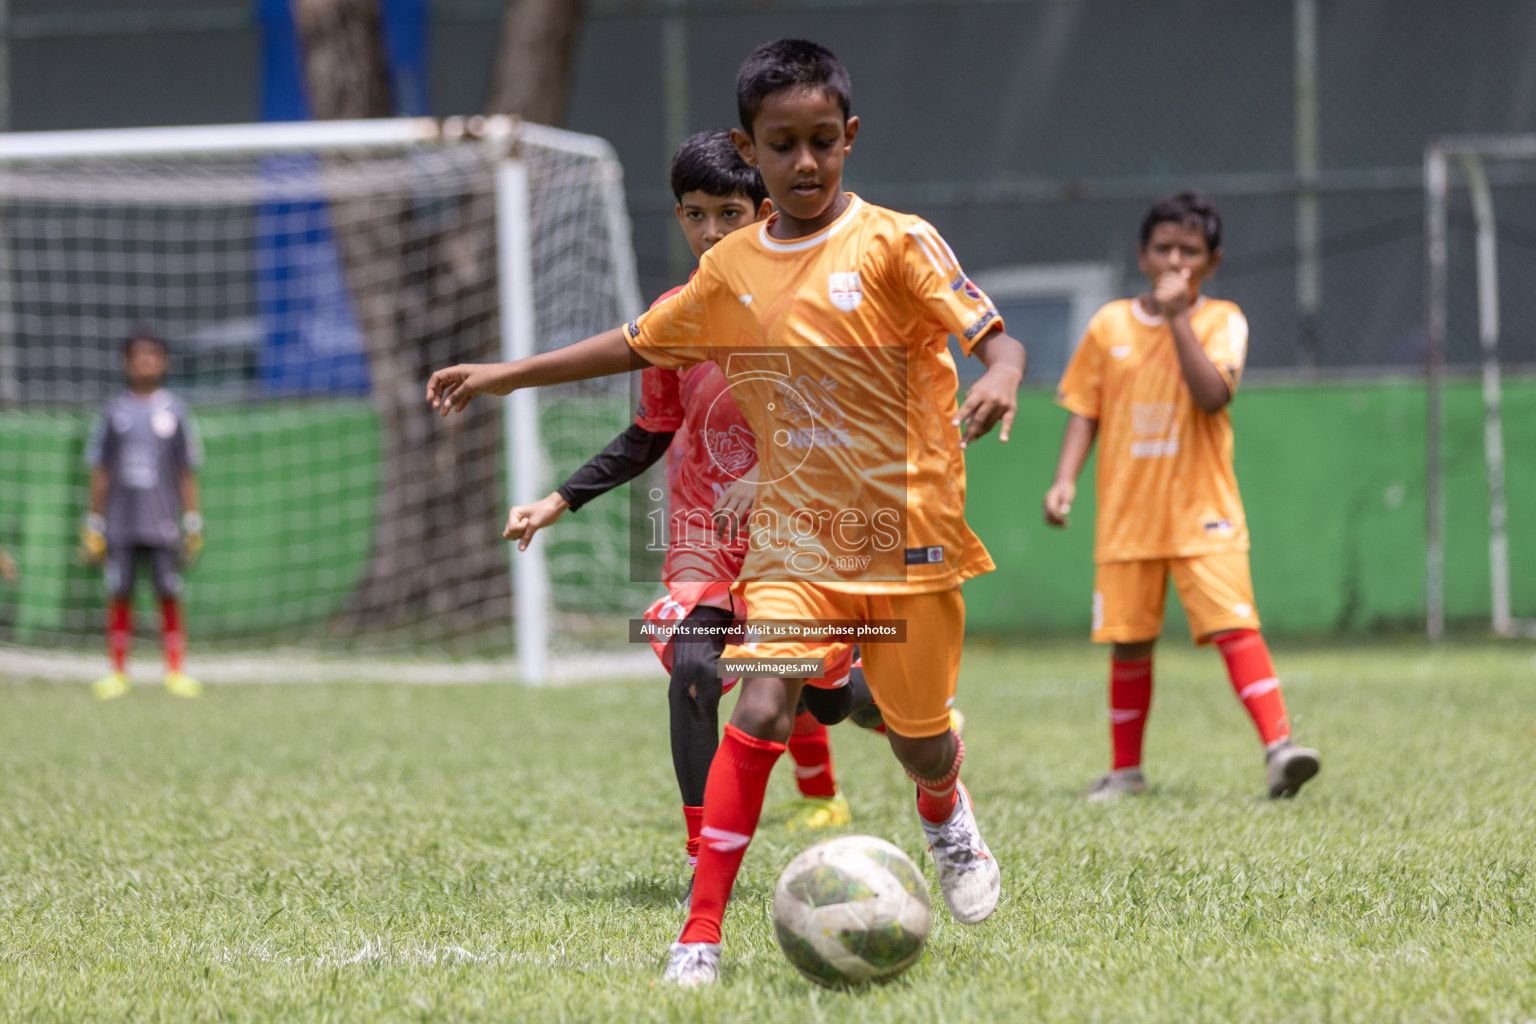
(810, 241)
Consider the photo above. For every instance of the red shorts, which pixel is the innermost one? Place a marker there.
(680, 601)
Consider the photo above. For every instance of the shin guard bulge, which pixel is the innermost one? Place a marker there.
(1130, 699)
(733, 802)
(1253, 679)
(120, 632)
(173, 640)
(811, 749)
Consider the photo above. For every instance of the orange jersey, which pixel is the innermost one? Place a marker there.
(835, 349)
(1166, 487)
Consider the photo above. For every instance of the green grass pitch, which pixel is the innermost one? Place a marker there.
(358, 852)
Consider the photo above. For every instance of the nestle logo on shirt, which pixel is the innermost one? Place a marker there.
(1219, 526)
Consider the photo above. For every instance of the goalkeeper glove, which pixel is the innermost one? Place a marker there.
(191, 537)
(93, 539)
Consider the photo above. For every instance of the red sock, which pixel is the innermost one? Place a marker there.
(812, 751)
(1253, 677)
(733, 801)
(936, 797)
(119, 632)
(1130, 698)
(693, 817)
(172, 640)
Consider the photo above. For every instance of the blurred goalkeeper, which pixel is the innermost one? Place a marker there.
(144, 452)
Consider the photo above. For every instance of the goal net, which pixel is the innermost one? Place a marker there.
(307, 279)
(1474, 162)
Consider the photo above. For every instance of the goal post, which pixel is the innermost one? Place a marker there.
(307, 277)
(1469, 154)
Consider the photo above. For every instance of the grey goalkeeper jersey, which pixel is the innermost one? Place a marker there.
(144, 443)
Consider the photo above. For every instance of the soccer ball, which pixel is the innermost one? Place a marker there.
(851, 910)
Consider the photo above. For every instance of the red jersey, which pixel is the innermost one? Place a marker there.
(712, 447)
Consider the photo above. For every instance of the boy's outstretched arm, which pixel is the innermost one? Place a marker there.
(626, 457)
(996, 395)
(602, 355)
(1075, 446)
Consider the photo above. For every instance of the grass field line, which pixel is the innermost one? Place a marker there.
(296, 665)
(379, 951)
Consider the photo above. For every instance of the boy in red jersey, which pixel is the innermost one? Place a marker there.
(1152, 380)
(831, 319)
(688, 416)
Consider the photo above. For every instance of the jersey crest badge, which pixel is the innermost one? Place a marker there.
(163, 422)
(845, 290)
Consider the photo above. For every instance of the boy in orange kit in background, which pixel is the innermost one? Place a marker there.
(1151, 381)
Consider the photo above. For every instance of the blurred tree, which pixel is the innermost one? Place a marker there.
(422, 279)
(345, 71)
(533, 64)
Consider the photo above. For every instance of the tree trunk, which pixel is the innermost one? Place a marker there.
(538, 42)
(422, 279)
(345, 73)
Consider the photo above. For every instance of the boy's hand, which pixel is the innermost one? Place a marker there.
(1058, 502)
(450, 390)
(734, 506)
(1171, 292)
(93, 539)
(993, 398)
(191, 538)
(523, 521)
(8, 567)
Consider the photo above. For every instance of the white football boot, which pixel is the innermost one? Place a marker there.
(693, 964)
(968, 873)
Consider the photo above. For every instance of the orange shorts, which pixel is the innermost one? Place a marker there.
(1215, 590)
(912, 682)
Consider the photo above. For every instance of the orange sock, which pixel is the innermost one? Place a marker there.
(733, 802)
(693, 817)
(811, 748)
(119, 632)
(1253, 677)
(1130, 698)
(172, 640)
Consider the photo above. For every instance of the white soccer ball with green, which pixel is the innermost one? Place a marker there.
(851, 910)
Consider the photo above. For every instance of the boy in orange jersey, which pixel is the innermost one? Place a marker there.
(688, 417)
(831, 320)
(1152, 380)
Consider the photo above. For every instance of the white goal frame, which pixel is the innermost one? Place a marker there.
(527, 467)
(1468, 153)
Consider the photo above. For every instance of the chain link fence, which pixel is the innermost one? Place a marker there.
(1035, 134)
(1032, 132)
